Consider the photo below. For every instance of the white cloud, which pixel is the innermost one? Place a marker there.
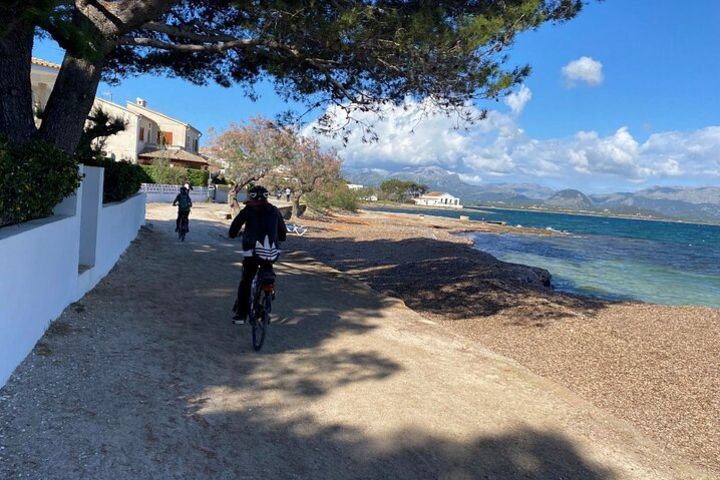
(586, 70)
(496, 148)
(517, 100)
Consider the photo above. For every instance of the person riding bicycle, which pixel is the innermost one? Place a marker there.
(183, 202)
(264, 227)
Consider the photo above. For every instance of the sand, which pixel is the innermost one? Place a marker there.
(656, 366)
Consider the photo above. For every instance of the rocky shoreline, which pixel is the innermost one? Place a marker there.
(653, 365)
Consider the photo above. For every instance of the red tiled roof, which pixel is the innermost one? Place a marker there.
(45, 63)
(177, 154)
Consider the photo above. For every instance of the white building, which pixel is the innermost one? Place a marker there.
(355, 186)
(438, 199)
(148, 135)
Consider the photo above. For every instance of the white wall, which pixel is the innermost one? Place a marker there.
(158, 193)
(165, 124)
(39, 271)
(123, 145)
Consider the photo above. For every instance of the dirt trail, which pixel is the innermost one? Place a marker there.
(146, 378)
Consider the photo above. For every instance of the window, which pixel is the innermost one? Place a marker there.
(195, 145)
(142, 134)
(164, 138)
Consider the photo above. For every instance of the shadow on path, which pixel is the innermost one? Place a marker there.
(148, 379)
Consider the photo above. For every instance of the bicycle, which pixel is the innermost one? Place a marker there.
(262, 293)
(183, 228)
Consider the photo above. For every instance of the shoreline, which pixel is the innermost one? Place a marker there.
(484, 208)
(653, 365)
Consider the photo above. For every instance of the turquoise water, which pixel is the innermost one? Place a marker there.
(614, 258)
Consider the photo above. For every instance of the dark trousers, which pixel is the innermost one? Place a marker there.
(177, 220)
(250, 268)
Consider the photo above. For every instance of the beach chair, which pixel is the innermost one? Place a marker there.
(296, 229)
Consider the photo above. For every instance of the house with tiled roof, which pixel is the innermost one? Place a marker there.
(438, 199)
(148, 135)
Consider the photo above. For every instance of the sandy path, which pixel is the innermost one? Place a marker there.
(146, 378)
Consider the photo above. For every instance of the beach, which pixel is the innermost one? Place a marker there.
(655, 366)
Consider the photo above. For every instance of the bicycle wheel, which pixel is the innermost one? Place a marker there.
(182, 231)
(259, 328)
(257, 315)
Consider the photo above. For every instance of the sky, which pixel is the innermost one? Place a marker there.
(623, 97)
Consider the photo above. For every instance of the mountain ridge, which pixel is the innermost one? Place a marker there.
(674, 202)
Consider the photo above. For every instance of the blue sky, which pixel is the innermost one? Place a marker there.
(649, 121)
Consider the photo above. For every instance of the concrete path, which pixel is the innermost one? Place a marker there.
(145, 378)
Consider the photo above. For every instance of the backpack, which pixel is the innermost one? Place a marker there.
(184, 202)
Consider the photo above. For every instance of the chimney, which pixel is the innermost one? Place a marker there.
(141, 102)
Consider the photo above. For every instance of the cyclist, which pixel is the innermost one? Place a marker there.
(183, 202)
(264, 227)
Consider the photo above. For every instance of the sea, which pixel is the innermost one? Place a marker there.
(612, 258)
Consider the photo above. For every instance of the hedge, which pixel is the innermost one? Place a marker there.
(34, 177)
(198, 178)
(164, 174)
(121, 179)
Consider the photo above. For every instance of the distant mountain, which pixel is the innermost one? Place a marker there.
(699, 204)
(683, 203)
(569, 200)
(442, 180)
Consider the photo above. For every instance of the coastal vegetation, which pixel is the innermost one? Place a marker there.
(400, 191)
(278, 157)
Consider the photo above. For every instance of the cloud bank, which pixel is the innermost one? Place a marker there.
(583, 70)
(497, 149)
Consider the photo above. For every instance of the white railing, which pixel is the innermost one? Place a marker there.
(162, 193)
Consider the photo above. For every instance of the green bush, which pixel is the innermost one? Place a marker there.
(161, 172)
(34, 177)
(338, 196)
(121, 179)
(197, 178)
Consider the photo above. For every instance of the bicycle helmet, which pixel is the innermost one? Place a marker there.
(258, 193)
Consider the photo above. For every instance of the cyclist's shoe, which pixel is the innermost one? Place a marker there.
(238, 320)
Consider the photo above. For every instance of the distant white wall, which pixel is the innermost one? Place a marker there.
(158, 193)
(40, 263)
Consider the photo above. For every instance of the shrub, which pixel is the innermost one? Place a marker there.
(34, 177)
(121, 179)
(337, 196)
(197, 178)
(162, 172)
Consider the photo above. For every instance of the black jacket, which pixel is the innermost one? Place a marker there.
(264, 227)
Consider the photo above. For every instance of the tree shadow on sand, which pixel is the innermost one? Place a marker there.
(452, 280)
(169, 389)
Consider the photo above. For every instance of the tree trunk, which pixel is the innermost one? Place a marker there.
(232, 200)
(296, 210)
(70, 102)
(17, 122)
